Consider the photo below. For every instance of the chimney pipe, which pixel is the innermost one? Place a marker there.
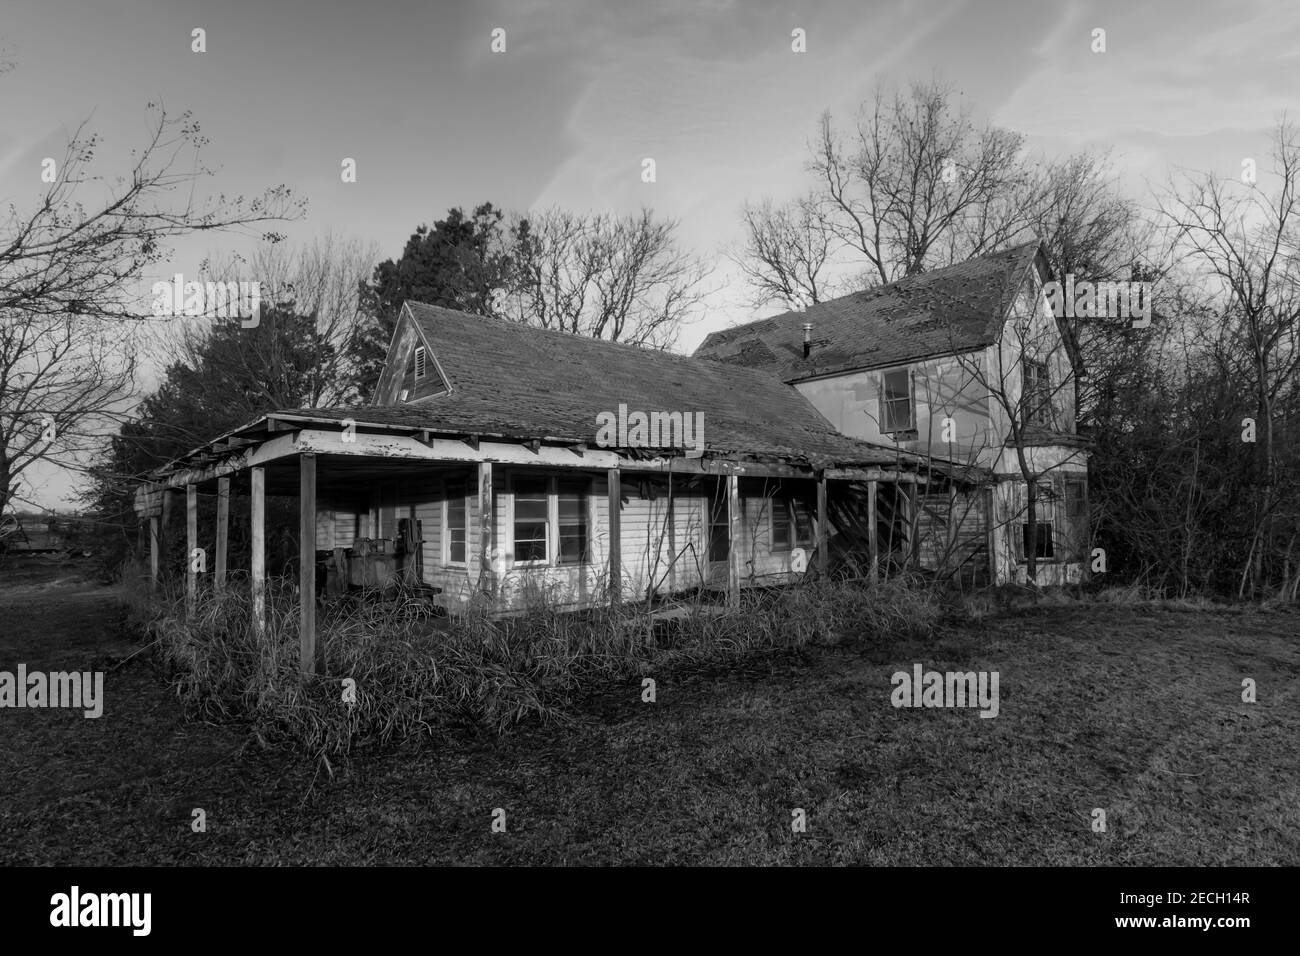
(807, 339)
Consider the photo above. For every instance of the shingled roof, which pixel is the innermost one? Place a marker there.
(520, 382)
(955, 309)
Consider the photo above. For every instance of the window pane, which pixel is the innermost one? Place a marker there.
(530, 519)
(1043, 537)
(780, 524)
(719, 532)
(897, 402)
(572, 507)
(455, 492)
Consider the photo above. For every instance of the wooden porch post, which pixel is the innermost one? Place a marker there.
(913, 528)
(487, 571)
(223, 532)
(310, 655)
(614, 493)
(155, 539)
(164, 531)
(191, 544)
(822, 535)
(873, 528)
(733, 539)
(257, 546)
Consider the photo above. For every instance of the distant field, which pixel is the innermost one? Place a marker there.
(1135, 710)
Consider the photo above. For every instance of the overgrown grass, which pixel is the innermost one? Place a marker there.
(414, 674)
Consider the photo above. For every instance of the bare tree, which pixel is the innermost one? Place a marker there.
(911, 171)
(319, 281)
(69, 275)
(786, 253)
(622, 279)
(1245, 242)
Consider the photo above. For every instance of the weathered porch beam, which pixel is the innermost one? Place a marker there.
(822, 537)
(486, 568)
(257, 546)
(223, 534)
(614, 496)
(191, 546)
(311, 655)
(733, 539)
(155, 540)
(873, 528)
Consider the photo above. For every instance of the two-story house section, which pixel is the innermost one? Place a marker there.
(966, 365)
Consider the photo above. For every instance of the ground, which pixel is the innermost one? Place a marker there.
(1134, 710)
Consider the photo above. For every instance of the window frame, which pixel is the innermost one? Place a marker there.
(786, 501)
(1041, 413)
(553, 558)
(887, 404)
(448, 485)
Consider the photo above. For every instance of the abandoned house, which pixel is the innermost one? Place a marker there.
(499, 462)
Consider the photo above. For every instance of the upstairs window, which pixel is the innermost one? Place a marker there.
(1036, 400)
(420, 361)
(897, 409)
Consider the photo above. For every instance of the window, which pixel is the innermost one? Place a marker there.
(719, 524)
(1041, 545)
(1036, 398)
(455, 523)
(419, 362)
(791, 524)
(571, 511)
(1074, 533)
(897, 410)
(531, 531)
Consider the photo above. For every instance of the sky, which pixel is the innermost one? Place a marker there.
(711, 90)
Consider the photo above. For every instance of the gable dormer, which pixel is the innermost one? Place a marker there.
(411, 370)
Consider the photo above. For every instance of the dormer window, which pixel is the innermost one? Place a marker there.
(419, 362)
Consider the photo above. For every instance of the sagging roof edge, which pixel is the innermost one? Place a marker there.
(904, 461)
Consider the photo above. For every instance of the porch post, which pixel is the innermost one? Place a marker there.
(155, 537)
(913, 528)
(223, 532)
(191, 544)
(614, 494)
(822, 536)
(164, 530)
(487, 571)
(873, 528)
(257, 546)
(733, 536)
(310, 655)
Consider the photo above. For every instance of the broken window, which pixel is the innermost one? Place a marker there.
(791, 524)
(897, 410)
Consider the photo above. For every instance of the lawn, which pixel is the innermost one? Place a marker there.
(1134, 710)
